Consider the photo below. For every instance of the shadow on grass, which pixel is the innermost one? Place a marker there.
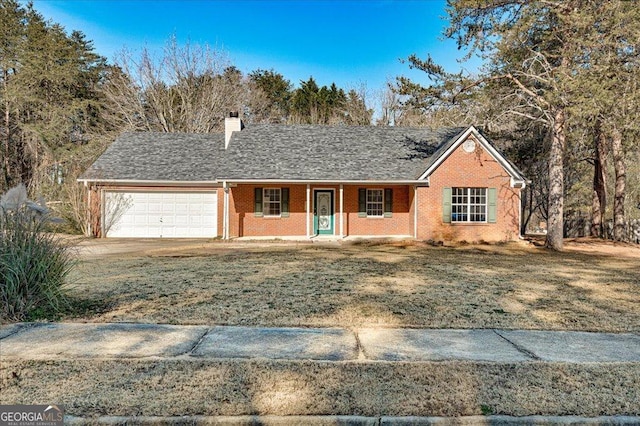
(75, 306)
(366, 285)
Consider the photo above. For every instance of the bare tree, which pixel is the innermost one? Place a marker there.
(187, 88)
(390, 106)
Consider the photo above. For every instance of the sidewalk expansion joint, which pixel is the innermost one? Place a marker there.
(361, 354)
(198, 342)
(521, 349)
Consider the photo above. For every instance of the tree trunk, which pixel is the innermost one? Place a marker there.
(620, 189)
(526, 209)
(599, 200)
(555, 223)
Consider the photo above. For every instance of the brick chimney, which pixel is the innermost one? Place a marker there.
(232, 123)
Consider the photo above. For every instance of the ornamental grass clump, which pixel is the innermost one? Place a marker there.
(34, 263)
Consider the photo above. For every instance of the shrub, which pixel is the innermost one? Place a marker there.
(33, 262)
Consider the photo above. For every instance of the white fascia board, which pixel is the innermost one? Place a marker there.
(516, 179)
(152, 182)
(330, 182)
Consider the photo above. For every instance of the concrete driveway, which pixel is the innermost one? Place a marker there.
(91, 248)
(99, 247)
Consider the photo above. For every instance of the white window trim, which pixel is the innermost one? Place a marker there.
(468, 204)
(264, 214)
(366, 204)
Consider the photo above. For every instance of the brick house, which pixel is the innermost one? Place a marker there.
(305, 181)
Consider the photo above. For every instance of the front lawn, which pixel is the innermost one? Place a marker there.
(240, 387)
(398, 285)
(394, 285)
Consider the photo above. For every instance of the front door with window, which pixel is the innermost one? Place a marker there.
(323, 216)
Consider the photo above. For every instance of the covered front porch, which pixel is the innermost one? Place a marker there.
(319, 210)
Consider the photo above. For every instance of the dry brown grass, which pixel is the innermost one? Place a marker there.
(400, 285)
(236, 387)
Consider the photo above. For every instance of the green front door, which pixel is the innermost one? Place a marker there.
(323, 212)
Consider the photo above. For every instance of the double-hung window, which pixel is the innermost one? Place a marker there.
(469, 205)
(271, 202)
(375, 203)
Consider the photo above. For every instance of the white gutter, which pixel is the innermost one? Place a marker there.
(334, 182)
(241, 181)
(151, 182)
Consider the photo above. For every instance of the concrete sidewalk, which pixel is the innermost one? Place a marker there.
(126, 340)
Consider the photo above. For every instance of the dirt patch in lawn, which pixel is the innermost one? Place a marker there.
(511, 286)
(236, 387)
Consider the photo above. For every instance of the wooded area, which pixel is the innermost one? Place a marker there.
(557, 92)
(560, 83)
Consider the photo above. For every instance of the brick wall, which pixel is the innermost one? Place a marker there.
(475, 169)
(400, 223)
(243, 221)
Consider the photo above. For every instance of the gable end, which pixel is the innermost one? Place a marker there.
(517, 180)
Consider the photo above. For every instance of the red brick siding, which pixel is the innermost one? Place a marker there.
(462, 169)
(243, 222)
(400, 223)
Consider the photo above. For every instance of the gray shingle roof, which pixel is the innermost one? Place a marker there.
(315, 152)
(159, 156)
(282, 152)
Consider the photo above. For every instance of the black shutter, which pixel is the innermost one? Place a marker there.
(362, 202)
(388, 202)
(257, 210)
(284, 208)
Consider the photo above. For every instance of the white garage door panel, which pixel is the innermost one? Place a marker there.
(161, 214)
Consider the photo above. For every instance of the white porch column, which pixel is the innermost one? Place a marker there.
(341, 211)
(103, 212)
(415, 211)
(308, 207)
(88, 230)
(225, 212)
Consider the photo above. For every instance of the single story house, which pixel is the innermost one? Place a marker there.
(267, 180)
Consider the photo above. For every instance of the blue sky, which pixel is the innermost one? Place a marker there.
(346, 42)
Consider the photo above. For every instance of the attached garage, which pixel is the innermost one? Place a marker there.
(161, 214)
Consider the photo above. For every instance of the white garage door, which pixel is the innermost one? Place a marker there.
(154, 214)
